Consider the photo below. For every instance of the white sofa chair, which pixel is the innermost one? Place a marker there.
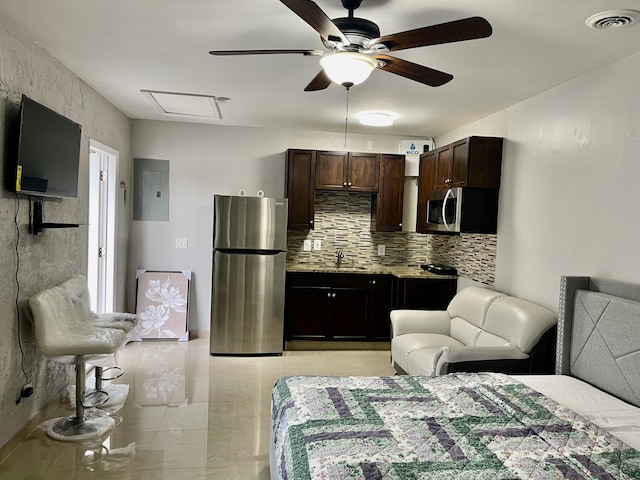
(481, 330)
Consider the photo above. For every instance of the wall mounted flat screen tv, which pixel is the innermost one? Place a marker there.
(48, 152)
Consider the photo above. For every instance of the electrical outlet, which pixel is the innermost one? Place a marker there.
(317, 245)
(26, 392)
(381, 250)
(181, 242)
(306, 245)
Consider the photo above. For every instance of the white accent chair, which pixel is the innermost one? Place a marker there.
(481, 330)
(67, 331)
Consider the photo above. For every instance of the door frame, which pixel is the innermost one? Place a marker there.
(105, 210)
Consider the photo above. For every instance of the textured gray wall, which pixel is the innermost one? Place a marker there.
(57, 254)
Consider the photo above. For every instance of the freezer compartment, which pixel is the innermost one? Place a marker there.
(247, 305)
(250, 223)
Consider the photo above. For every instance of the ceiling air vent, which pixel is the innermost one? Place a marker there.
(613, 19)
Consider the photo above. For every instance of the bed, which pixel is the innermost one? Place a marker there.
(583, 422)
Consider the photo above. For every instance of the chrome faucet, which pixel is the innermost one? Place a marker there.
(339, 258)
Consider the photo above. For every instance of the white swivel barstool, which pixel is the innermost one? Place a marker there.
(66, 332)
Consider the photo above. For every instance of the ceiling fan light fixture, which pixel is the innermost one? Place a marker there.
(376, 119)
(348, 68)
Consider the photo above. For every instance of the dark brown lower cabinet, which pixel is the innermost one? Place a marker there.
(355, 307)
(326, 306)
(306, 312)
(349, 312)
(382, 290)
(425, 293)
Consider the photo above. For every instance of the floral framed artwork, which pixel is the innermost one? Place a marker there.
(162, 304)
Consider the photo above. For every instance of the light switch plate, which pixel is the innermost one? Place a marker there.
(317, 245)
(381, 250)
(181, 242)
(306, 245)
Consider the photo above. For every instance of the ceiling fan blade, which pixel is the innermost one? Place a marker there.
(413, 71)
(316, 18)
(266, 52)
(319, 82)
(456, 31)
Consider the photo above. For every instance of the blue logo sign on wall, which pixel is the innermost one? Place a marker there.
(412, 150)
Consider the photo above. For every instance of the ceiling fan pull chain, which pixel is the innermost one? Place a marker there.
(346, 118)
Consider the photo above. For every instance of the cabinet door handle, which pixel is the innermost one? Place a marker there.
(400, 225)
(310, 222)
(344, 184)
(328, 294)
(349, 184)
(373, 282)
(333, 295)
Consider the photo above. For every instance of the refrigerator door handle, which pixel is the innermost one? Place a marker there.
(239, 251)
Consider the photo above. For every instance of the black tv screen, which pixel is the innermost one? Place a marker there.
(48, 152)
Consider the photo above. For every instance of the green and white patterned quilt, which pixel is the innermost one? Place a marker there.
(462, 426)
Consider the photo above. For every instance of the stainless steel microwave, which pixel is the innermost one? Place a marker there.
(463, 210)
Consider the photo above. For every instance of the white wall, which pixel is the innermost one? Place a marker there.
(209, 159)
(570, 191)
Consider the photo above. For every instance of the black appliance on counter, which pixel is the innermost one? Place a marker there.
(439, 269)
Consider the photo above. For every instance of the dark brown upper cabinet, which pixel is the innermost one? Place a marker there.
(300, 181)
(347, 172)
(387, 207)
(426, 185)
(470, 162)
(377, 173)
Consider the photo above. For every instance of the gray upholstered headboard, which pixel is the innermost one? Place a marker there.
(599, 334)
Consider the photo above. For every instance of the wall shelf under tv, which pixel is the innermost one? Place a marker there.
(37, 225)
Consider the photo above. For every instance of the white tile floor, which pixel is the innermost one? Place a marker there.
(188, 415)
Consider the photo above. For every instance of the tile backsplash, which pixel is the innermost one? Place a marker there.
(343, 221)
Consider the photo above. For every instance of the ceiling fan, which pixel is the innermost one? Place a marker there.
(356, 42)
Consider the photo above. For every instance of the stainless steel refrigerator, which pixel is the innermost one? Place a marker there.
(249, 253)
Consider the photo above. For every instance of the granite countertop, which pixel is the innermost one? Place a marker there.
(400, 272)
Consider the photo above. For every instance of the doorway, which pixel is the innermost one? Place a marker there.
(103, 165)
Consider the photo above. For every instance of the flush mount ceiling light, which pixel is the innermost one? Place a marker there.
(348, 68)
(613, 19)
(376, 119)
(185, 104)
